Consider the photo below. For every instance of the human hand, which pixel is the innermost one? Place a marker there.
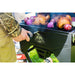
(23, 36)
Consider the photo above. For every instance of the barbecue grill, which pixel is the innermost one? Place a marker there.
(50, 40)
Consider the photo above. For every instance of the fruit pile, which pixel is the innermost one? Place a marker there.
(62, 22)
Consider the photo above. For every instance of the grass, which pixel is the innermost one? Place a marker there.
(35, 58)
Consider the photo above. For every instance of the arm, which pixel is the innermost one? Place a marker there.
(12, 27)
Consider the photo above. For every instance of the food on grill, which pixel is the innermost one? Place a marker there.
(67, 27)
(41, 19)
(47, 17)
(32, 18)
(62, 21)
(57, 17)
(29, 22)
(53, 20)
(50, 25)
(25, 19)
(69, 17)
(37, 21)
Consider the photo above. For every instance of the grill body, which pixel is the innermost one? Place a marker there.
(48, 41)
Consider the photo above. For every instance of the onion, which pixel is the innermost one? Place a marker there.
(29, 22)
(50, 25)
(32, 18)
(25, 19)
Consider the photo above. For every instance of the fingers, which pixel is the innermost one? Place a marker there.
(30, 33)
(23, 36)
(27, 38)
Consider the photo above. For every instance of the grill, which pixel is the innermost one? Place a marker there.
(50, 40)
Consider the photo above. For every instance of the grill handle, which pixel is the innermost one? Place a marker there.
(30, 35)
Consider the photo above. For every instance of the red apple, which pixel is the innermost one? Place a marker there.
(67, 27)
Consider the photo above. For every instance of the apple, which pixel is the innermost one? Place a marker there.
(67, 27)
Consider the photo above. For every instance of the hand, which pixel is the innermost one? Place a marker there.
(23, 36)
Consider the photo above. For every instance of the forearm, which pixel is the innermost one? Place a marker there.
(16, 32)
(10, 25)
